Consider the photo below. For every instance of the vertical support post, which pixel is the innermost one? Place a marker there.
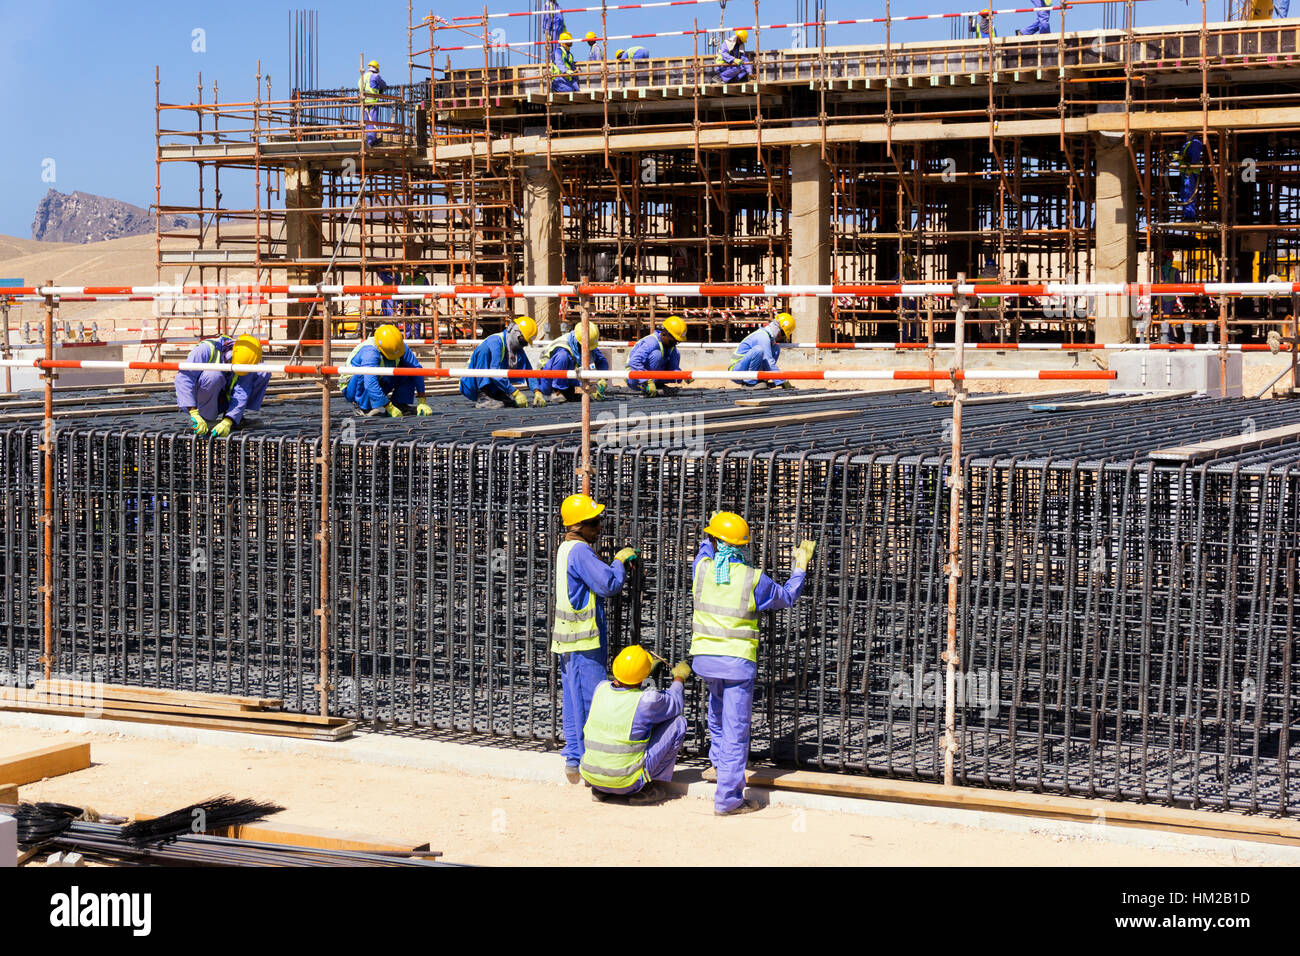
(584, 470)
(5, 347)
(955, 492)
(323, 533)
(1116, 237)
(47, 516)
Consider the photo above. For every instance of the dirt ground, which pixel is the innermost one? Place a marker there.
(486, 821)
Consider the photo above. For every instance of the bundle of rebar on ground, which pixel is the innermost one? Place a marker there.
(1126, 623)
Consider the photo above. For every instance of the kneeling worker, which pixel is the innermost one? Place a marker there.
(633, 734)
(759, 351)
(657, 352)
(502, 351)
(392, 395)
(216, 401)
(579, 636)
(729, 595)
(564, 355)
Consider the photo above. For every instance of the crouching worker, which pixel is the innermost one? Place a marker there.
(503, 351)
(564, 355)
(391, 395)
(657, 352)
(633, 734)
(216, 401)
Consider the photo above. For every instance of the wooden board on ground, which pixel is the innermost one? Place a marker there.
(1226, 825)
(252, 716)
(303, 731)
(88, 690)
(34, 765)
(316, 838)
(1197, 451)
(827, 396)
(8, 793)
(1109, 402)
(664, 415)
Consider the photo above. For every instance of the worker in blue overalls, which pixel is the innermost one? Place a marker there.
(1042, 19)
(216, 401)
(502, 352)
(657, 352)
(759, 351)
(391, 395)
(564, 355)
(735, 64)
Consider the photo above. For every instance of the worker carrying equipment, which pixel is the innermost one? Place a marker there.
(759, 351)
(216, 401)
(633, 734)
(565, 354)
(370, 86)
(735, 64)
(391, 395)
(657, 352)
(504, 350)
(578, 634)
(729, 594)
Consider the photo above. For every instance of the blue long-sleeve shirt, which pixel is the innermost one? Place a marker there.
(768, 596)
(369, 356)
(650, 354)
(762, 341)
(657, 707)
(733, 51)
(565, 357)
(237, 389)
(590, 575)
(492, 353)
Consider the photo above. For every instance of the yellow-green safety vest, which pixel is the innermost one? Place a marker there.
(363, 87)
(574, 629)
(611, 758)
(570, 66)
(214, 358)
(384, 361)
(725, 616)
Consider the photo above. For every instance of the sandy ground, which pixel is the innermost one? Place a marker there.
(482, 820)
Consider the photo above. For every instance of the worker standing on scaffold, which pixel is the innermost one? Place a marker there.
(579, 635)
(735, 64)
(982, 24)
(1042, 19)
(759, 351)
(657, 352)
(595, 47)
(216, 401)
(370, 86)
(729, 594)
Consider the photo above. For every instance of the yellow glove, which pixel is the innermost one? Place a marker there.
(681, 671)
(200, 425)
(601, 388)
(539, 400)
(422, 407)
(519, 400)
(393, 411)
(651, 389)
(803, 554)
(222, 428)
(787, 384)
(626, 555)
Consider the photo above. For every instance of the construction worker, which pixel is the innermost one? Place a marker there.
(759, 351)
(579, 636)
(735, 63)
(595, 48)
(982, 24)
(391, 395)
(1189, 163)
(632, 53)
(216, 401)
(504, 350)
(729, 594)
(1281, 9)
(370, 86)
(565, 354)
(989, 314)
(633, 734)
(1042, 19)
(1170, 304)
(657, 352)
(563, 68)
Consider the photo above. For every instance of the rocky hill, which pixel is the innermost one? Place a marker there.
(84, 217)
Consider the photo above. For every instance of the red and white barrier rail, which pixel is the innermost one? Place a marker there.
(597, 9)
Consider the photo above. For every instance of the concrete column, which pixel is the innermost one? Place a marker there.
(542, 247)
(1116, 252)
(810, 240)
(303, 239)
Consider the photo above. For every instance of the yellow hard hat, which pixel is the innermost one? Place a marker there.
(593, 334)
(528, 327)
(675, 326)
(591, 37)
(742, 34)
(576, 509)
(565, 37)
(390, 342)
(374, 63)
(786, 321)
(620, 53)
(247, 350)
(729, 527)
(633, 665)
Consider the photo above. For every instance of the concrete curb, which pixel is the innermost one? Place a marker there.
(508, 764)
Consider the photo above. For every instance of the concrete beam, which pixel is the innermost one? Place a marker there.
(1116, 236)
(541, 209)
(810, 240)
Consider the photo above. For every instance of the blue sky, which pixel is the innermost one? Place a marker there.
(79, 104)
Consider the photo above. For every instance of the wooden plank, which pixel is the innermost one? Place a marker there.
(275, 716)
(305, 732)
(36, 765)
(827, 396)
(314, 837)
(180, 698)
(663, 415)
(1109, 402)
(1197, 451)
(9, 793)
(1190, 822)
(998, 398)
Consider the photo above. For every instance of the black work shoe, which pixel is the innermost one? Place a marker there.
(647, 795)
(571, 774)
(749, 806)
(600, 796)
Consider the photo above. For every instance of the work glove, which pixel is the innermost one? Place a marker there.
(787, 384)
(422, 407)
(651, 390)
(626, 555)
(518, 398)
(601, 387)
(393, 411)
(539, 400)
(803, 554)
(681, 671)
(200, 426)
(222, 428)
